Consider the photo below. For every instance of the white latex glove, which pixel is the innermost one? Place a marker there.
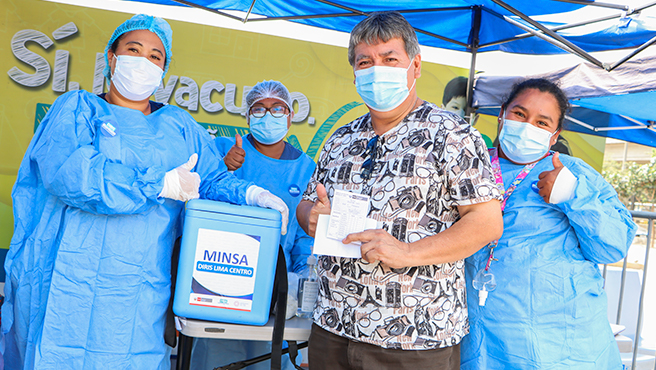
(180, 183)
(256, 196)
(564, 187)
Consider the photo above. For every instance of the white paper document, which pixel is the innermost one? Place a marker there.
(348, 212)
(331, 247)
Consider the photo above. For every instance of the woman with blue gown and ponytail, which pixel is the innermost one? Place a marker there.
(536, 297)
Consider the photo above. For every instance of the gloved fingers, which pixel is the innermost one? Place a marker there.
(256, 196)
(268, 200)
(171, 185)
(285, 220)
(190, 185)
(190, 196)
(281, 207)
(253, 195)
(186, 197)
(191, 163)
(182, 184)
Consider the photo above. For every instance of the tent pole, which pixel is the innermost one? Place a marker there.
(596, 3)
(554, 29)
(577, 50)
(474, 40)
(250, 9)
(632, 54)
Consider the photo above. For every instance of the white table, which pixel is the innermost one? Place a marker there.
(296, 329)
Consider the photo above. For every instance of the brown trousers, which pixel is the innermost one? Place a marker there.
(328, 351)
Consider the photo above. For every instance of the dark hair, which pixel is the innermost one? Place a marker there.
(562, 146)
(543, 85)
(454, 88)
(115, 43)
(383, 26)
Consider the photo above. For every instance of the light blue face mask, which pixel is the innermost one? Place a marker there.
(383, 88)
(268, 129)
(522, 142)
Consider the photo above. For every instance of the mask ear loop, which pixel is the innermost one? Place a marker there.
(414, 80)
(111, 73)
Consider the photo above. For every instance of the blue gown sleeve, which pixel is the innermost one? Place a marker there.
(223, 144)
(216, 182)
(603, 225)
(72, 169)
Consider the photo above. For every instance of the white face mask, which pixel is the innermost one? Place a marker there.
(136, 78)
(522, 142)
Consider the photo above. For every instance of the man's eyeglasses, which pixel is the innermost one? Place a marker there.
(372, 153)
(276, 111)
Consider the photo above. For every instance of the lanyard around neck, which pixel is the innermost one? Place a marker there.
(498, 178)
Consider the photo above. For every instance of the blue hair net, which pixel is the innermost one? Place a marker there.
(268, 89)
(155, 25)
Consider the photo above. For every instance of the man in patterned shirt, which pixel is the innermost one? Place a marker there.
(428, 175)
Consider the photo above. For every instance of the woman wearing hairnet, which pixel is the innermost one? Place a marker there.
(264, 158)
(536, 299)
(97, 206)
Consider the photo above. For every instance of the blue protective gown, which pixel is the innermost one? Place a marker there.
(549, 308)
(88, 270)
(286, 179)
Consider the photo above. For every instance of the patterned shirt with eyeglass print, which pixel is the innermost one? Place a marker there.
(416, 174)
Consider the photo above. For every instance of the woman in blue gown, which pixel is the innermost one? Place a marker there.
(561, 219)
(97, 206)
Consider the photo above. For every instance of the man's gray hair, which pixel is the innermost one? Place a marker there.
(383, 26)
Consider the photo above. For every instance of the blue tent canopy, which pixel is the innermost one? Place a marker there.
(606, 124)
(618, 104)
(629, 117)
(466, 25)
(611, 124)
(639, 106)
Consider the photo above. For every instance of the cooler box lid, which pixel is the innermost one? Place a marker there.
(222, 209)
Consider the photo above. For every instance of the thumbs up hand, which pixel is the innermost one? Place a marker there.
(321, 207)
(235, 157)
(547, 178)
(180, 183)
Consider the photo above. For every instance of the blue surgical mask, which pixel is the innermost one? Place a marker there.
(522, 142)
(136, 78)
(268, 129)
(383, 88)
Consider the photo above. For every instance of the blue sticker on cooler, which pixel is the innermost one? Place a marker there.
(294, 190)
(108, 129)
(534, 186)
